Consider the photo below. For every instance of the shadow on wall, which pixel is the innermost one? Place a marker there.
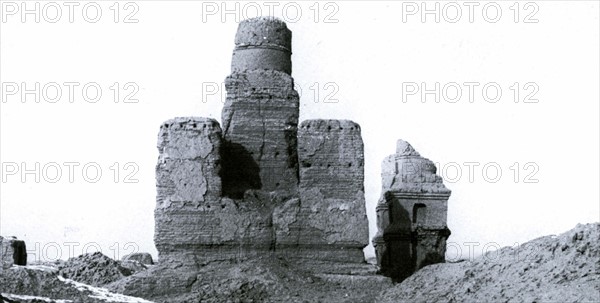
(400, 219)
(400, 260)
(291, 140)
(239, 171)
(19, 253)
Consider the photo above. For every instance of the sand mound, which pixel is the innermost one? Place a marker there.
(564, 268)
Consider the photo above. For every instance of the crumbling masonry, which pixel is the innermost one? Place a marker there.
(411, 214)
(261, 184)
(12, 252)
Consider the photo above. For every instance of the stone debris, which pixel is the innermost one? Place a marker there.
(94, 269)
(260, 279)
(144, 258)
(44, 283)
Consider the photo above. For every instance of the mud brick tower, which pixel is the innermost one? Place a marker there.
(261, 184)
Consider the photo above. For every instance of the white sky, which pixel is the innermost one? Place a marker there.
(367, 55)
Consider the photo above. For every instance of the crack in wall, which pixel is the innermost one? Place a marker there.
(262, 118)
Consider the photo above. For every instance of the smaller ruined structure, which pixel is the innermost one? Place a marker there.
(12, 251)
(411, 214)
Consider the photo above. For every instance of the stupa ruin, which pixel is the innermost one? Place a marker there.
(264, 185)
(260, 184)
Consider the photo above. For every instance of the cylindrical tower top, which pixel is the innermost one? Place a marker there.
(263, 31)
(262, 43)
